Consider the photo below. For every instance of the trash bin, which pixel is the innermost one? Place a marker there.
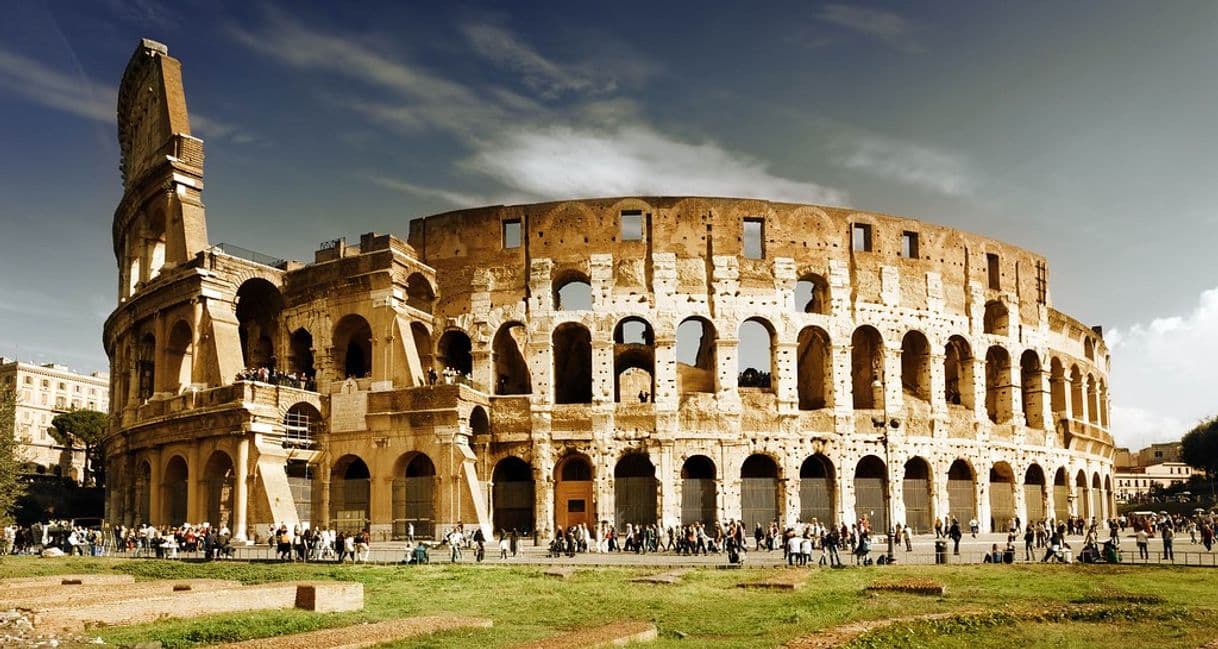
(940, 551)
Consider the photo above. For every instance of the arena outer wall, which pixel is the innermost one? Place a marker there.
(915, 371)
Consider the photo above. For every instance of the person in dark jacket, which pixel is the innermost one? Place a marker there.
(955, 535)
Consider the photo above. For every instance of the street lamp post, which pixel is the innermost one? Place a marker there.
(882, 427)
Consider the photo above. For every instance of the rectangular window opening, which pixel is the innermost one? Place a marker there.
(991, 264)
(576, 506)
(860, 237)
(511, 234)
(909, 245)
(632, 225)
(754, 238)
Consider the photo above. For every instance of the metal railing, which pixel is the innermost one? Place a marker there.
(248, 255)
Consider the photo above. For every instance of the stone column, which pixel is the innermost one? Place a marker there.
(665, 377)
(726, 351)
(322, 509)
(792, 506)
(843, 380)
(155, 487)
(603, 379)
(894, 394)
(194, 482)
(938, 385)
(241, 490)
(1015, 379)
(483, 374)
(786, 374)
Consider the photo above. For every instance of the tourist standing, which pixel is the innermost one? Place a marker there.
(955, 535)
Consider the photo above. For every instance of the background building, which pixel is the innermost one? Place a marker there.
(1155, 467)
(628, 360)
(44, 391)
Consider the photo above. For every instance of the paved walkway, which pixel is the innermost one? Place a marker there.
(972, 550)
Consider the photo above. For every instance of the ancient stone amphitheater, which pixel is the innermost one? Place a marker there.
(629, 360)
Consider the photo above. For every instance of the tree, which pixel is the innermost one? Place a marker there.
(11, 488)
(86, 427)
(1200, 448)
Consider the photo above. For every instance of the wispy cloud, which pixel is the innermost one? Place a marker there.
(77, 95)
(909, 163)
(1162, 371)
(563, 162)
(456, 199)
(505, 50)
(888, 27)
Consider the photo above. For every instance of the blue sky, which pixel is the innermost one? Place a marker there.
(1082, 130)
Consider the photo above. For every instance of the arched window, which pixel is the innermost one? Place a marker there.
(1057, 387)
(1002, 497)
(698, 491)
(961, 493)
(755, 354)
(816, 491)
(997, 318)
(511, 371)
(1033, 390)
(1093, 410)
(915, 365)
(867, 368)
(145, 367)
(302, 354)
(916, 489)
(696, 361)
(479, 423)
(258, 306)
(812, 294)
(456, 352)
(353, 347)
(1034, 493)
(513, 495)
(759, 495)
(815, 368)
(1077, 392)
(998, 384)
(419, 293)
(633, 360)
(871, 493)
(572, 292)
(173, 491)
(572, 345)
(350, 494)
(635, 490)
(958, 372)
(301, 426)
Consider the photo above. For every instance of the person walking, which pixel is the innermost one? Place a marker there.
(1142, 539)
(1168, 536)
(1029, 542)
(955, 534)
(455, 539)
(908, 539)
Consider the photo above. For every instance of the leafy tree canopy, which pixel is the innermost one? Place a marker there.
(1200, 446)
(86, 427)
(10, 487)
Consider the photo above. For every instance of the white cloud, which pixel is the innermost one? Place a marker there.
(564, 162)
(551, 79)
(78, 95)
(909, 163)
(1162, 374)
(457, 199)
(889, 28)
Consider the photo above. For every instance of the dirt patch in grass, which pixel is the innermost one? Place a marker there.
(609, 635)
(916, 586)
(364, 635)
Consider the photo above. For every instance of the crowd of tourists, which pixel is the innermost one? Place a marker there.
(298, 380)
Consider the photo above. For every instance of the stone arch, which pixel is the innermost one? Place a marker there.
(1093, 410)
(867, 368)
(145, 367)
(1057, 387)
(353, 347)
(302, 425)
(176, 477)
(572, 352)
(633, 360)
(997, 318)
(1096, 497)
(143, 493)
(479, 422)
(1034, 493)
(414, 487)
(259, 304)
(419, 293)
(759, 496)
(915, 365)
(511, 370)
(512, 495)
(958, 372)
(1032, 386)
(998, 384)
(815, 369)
(961, 492)
(573, 494)
(1082, 500)
(698, 489)
(755, 369)
(918, 494)
(1002, 498)
(812, 294)
(696, 355)
(1076, 393)
(179, 357)
(350, 494)
(817, 492)
(635, 490)
(301, 354)
(572, 291)
(1061, 495)
(218, 481)
(454, 351)
(1103, 404)
(871, 492)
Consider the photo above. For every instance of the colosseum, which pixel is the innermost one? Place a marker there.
(628, 360)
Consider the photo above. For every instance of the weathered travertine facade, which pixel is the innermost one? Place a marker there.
(914, 371)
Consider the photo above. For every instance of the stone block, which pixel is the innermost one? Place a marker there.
(330, 596)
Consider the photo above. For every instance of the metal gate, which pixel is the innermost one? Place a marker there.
(1034, 500)
(302, 495)
(177, 503)
(698, 501)
(816, 500)
(758, 501)
(514, 506)
(1061, 502)
(413, 504)
(349, 504)
(634, 501)
(1002, 505)
(961, 502)
(871, 500)
(219, 503)
(917, 504)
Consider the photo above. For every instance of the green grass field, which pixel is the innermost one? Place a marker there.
(1020, 606)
